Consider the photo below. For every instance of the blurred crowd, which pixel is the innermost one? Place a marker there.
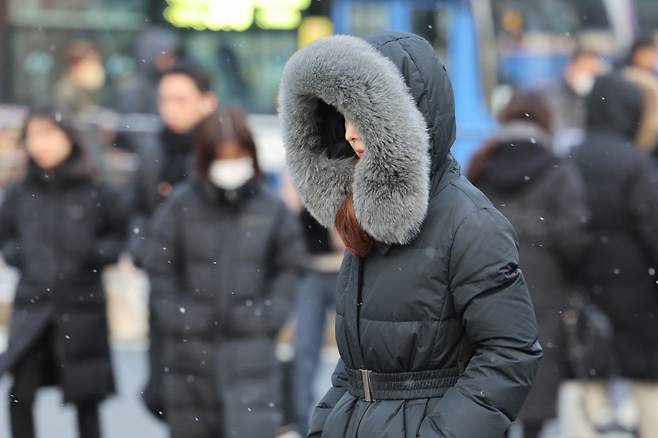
(231, 257)
(224, 254)
(574, 169)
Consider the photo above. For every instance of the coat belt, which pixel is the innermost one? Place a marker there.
(370, 386)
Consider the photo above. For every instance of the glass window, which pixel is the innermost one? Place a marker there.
(115, 14)
(41, 30)
(246, 66)
(38, 59)
(367, 18)
(647, 13)
(533, 38)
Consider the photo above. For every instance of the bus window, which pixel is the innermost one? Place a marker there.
(246, 66)
(367, 18)
(533, 38)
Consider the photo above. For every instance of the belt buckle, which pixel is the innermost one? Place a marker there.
(367, 387)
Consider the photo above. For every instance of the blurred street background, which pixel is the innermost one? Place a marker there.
(102, 60)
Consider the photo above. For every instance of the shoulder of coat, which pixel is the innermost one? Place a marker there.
(13, 193)
(461, 197)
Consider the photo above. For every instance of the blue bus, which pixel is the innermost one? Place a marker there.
(492, 45)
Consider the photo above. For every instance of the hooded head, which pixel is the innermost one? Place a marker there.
(614, 105)
(53, 147)
(396, 92)
(157, 49)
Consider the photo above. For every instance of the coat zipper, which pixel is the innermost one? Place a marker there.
(359, 300)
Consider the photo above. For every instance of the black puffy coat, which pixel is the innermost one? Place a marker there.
(59, 229)
(621, 272)
(544, 198)
(165, 157)
(441, 296)
(224, 268)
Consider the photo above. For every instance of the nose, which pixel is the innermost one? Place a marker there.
(351, 133)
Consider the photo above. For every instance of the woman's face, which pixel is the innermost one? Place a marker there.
(353, 137)
(230, 151)
(46, 143)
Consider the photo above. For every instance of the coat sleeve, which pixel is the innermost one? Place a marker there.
(329, 401)
(643, 206)
(143, 197)
(492, 300)
(10, 245)
(112, 229)
(269, 314)
(163, 261)
(568, 223)
(138, 204)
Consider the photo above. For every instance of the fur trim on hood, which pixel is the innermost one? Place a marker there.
(391, 183)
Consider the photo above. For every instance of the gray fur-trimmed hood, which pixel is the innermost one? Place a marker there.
(387, 86)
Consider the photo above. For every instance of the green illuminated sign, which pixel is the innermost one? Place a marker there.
(235, 15)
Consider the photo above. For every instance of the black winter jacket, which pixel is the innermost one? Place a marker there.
(622, 196)
(223, 268)
(439, 310)
(60, 228)
(166, 157)
(544, 198)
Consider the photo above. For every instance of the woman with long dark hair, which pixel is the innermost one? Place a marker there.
(59, 227)
(224, 260)
(435, 327)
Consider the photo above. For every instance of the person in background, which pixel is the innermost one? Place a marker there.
(59, 227)
(544, 198)
(315, 300)
(620, 273)
(643, 54)
(185, 99)
(568, 97)
(646, 137)
(156, 52)
(224, 259)
(80, 87)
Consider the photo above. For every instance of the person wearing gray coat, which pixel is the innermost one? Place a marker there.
(435, 326)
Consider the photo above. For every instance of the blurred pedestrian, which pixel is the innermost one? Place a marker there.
(156, 52)
(544, 198)
(568, 97)
(80, 87)
(434, 325)
(185, 99)
(620, 273)
(224, 259)
(59, 227)
(316, 299)
(643, 54)
(646, 137)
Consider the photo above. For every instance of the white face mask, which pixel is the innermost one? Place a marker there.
(231, 174)
(583, 84)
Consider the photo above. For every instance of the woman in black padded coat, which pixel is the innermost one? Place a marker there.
(224, 260)
(59, 227)
(435, 326)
